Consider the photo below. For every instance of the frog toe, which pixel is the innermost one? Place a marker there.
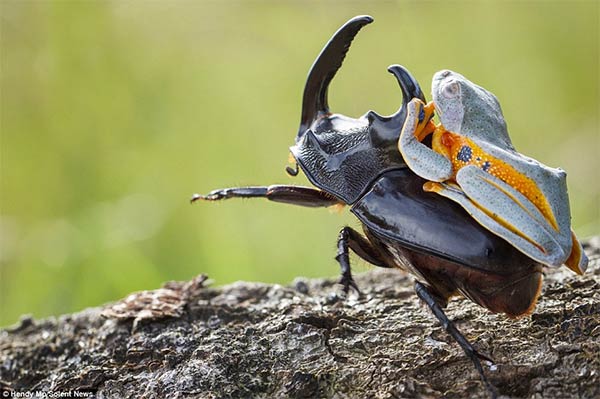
(577, 260)
(421, 159)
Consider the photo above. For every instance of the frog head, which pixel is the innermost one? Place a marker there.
(467, 109)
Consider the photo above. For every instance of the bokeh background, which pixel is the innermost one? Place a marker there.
(114, 112)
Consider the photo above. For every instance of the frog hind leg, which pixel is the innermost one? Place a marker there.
(577, 260)
(504, 211)
(421, 159)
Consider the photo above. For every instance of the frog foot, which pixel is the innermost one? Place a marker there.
(420, 158)
(425, 125)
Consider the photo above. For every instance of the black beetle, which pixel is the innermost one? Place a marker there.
(356, 162)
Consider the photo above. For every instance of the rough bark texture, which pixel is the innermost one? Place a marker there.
(259, 340)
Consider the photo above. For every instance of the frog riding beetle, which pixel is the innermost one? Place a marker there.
(357, 162)
(472, 161)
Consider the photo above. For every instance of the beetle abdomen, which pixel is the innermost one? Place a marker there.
(514, 292)
(438, 242)
(396, 207)
(513, 295)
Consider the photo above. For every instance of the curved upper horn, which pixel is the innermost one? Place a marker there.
(408, 84)
(390, 125)
(314, 103)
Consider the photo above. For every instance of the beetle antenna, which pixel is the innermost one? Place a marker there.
(314, 103)
(292, 171)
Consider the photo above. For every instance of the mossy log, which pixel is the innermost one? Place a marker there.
(304, 340)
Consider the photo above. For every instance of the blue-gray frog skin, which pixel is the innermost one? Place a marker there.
(472, 161)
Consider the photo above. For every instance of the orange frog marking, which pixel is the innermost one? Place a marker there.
(461, 151)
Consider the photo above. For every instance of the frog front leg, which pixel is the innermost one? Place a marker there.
(421, 159)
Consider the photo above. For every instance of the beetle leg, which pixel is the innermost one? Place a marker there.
(426, 296)
(343, 258)
(295, 195)
(350, 238)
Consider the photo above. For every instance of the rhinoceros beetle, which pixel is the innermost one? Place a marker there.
(356, 162)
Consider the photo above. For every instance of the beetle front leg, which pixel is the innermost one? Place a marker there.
(426, 296)
(295, 195)
(350, 238)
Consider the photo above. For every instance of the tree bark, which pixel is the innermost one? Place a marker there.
(304, 340)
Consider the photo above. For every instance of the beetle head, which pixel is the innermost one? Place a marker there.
(339, 154)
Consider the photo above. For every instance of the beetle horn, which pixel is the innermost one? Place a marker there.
(409, 86)
(390, 125)
(314, 103)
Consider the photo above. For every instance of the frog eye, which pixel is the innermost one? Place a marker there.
(451, 89)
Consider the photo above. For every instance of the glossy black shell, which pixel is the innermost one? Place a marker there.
(395, 206)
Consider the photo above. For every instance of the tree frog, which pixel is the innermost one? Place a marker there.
(472, 161)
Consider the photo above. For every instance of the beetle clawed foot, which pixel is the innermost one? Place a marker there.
(195, 198)
(212, 196)
(481, 356)
(475, 356)
(348, 282)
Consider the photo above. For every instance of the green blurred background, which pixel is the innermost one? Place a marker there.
(114, 113)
